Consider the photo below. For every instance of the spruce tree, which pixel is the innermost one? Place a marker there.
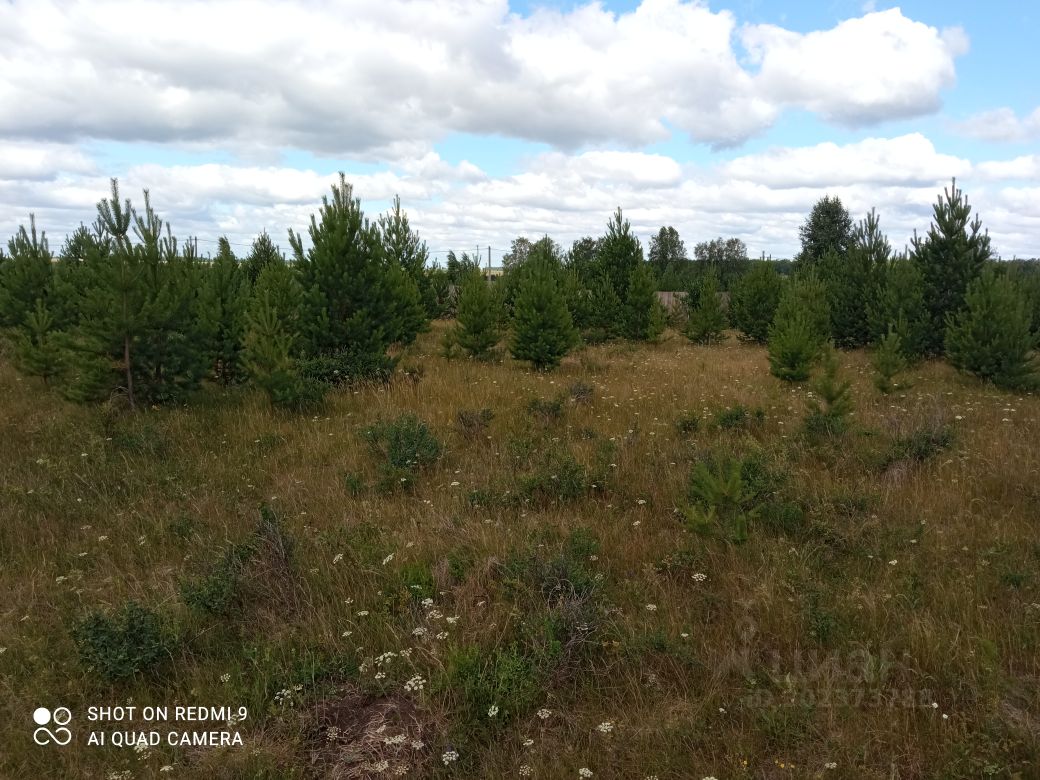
(852, 282)
(222, 309)
(950, 258)
(543, 331)
(707, 319)
(643, 315)
(990, 337)
(753, 302)
(888, 361)
(476, 328)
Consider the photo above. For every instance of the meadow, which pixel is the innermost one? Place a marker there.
(544, 587)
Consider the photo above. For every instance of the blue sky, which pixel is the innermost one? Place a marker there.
(495, 119)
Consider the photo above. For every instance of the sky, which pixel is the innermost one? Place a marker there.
(494, 119)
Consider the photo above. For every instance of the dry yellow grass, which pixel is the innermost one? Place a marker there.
(894, 634)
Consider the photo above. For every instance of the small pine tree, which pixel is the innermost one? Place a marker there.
(706, 322)
(267, 358)
(38, 348)
(991, 337)
(753, 302)
(888, 362)
(605, 311)
(644, 318)
(800, 329)
(830, 417)
(476, 329)
(793, 347)
(543, 331)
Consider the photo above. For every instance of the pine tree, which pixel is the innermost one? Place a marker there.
(543, 331)
(888, 362)
(707, 319)
(619, 254)
(799, 330)
(357, 304)
(263, 253)
(222, 308)
(828, 228)
(605, 313)
(25, 276)
(991, 336)
(950, 258)
(898, 305)
(643, 317)
(38, 350)
(753, 302)
(476, 329)
(830, 417)
(403, 247)
(268, 360)
(139, 311)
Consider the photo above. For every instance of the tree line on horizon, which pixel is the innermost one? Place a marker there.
(126, 310)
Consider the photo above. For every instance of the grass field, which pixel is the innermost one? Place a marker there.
(539, 599)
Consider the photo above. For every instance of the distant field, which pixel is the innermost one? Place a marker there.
(538, 595)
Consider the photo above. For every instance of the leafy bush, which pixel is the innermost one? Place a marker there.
(688, 422)
(406, 442)
(346, 368)
(559, 479)
(581, 392)
(472, 423)
(738, 416)
(131, 642)
(545, 409)
(216, 592)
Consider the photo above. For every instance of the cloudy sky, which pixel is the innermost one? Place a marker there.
(494, 119)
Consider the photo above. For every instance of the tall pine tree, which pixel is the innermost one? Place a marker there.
(222, 309)
(950, 257)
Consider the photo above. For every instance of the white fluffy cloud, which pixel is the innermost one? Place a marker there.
(760, 198)
(387, 78)
(1001, 124)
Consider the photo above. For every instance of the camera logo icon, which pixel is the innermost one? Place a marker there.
(43, 717)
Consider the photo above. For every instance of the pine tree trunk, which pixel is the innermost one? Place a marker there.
(129, 373)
